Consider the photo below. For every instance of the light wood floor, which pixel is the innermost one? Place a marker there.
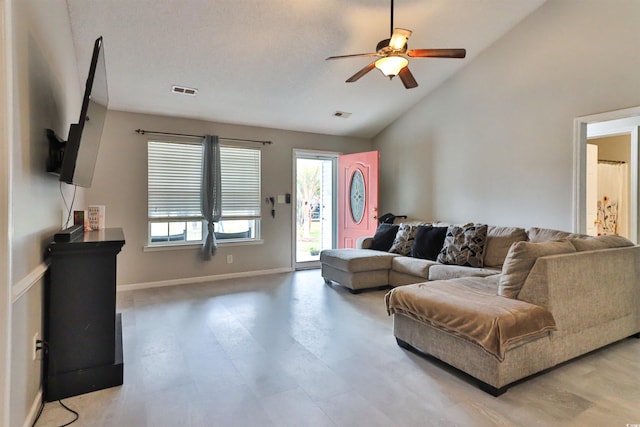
(288, 350)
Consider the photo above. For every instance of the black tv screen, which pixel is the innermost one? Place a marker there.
(81, 148)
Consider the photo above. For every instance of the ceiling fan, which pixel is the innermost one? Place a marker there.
(392, 56)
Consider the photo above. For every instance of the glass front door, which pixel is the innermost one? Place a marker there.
(315, 207)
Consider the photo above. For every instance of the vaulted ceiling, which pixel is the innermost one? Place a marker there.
(262, 62)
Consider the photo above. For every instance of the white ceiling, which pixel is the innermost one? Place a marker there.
(262, 62)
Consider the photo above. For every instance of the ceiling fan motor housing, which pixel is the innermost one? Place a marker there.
(383, 47)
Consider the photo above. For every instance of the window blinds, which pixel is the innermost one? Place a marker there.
(240, 170)
(174, 180)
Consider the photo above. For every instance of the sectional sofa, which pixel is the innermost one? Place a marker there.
(364, 268)
(540, 297)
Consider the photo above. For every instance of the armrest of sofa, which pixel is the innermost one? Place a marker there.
(585, 289)
(364, 242)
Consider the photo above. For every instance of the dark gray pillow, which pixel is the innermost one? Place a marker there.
(383, 239)
(428, 242)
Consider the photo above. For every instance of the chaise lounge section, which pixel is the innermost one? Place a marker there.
(593, 298)
(357, 269)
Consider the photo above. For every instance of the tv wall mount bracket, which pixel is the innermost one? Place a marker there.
(56, 152)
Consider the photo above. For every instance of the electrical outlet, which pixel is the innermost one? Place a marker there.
(34, 353)
(229, 259)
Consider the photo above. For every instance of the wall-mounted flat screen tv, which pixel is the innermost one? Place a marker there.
(75, 159)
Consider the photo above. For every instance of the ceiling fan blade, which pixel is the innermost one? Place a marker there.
(356, 55)
(407, 78)
(437, 53)
(361, 73)
(399, 38)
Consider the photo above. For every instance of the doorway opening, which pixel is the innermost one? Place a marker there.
(608, 185)
(315, 206)
(606, 173)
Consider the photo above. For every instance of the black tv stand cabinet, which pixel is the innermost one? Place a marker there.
(81, 327)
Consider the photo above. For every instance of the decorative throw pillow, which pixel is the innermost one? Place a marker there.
(520, 260)
(404, 239)
(428, 242)
(383, 239)
(464, 245)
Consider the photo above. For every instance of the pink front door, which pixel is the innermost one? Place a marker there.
(357, 197)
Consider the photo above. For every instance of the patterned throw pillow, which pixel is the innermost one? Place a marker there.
(404, 239)
(464, 245)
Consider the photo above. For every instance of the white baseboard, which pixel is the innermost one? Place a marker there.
(23, 286)
(201, 279)
(34, 410)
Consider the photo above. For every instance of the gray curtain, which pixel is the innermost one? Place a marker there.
(210, 198)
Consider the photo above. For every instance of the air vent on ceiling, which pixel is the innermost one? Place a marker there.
(342, 114)
(184, 90)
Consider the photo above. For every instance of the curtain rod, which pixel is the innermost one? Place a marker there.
(612, 162)
(186, 135)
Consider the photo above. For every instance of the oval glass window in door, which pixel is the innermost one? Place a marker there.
(356, 196)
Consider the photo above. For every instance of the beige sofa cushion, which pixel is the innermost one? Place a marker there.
(413, 266)
(537, 235)
(356, 260)
(445, 272)
(521, 258)
(600, 242)
(412, 221)
(499, 240)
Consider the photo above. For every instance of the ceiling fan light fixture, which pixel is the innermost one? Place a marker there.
(397, 43)
(390, 66)
(399, 38)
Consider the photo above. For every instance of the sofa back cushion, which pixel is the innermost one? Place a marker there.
(464, 245)
(521, 258)
(499, 240)
(428, 242)
(384, 237)
(537, 235)
(600, 242)
(411, 221)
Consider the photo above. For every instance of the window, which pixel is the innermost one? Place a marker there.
(174, 193)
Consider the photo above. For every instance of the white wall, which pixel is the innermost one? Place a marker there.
(120, 183)
(5, 191)
(46, 94)
(494, 143)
